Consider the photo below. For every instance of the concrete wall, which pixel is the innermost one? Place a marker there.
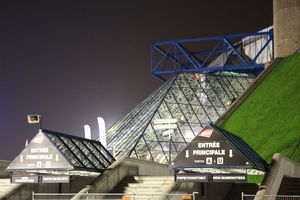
(3, 165)
(127, 167)
(280, 167)
(286, 16)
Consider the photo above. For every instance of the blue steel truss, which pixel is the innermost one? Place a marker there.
(242, 53)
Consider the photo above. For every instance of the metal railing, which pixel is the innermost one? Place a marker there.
(269, 197)
(111, 196)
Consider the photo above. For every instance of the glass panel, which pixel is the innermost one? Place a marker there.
(87, 153)
(103, 152)
(65, 151)
(97, 154)
(193, 101)
(142, 151)
(77, 152)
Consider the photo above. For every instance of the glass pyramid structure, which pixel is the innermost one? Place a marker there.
(179, 109)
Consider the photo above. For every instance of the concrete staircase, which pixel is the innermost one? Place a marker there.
(289, 186)
(146, 187)
(6, 187)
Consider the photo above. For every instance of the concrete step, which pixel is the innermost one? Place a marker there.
(154, 178)
(149, 191)
(6, 187)
(142, 185)
(289, 186)
(149, 184)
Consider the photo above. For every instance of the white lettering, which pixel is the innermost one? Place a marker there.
(209, 145)
(209, 152)
(39, 157)
(39, 150)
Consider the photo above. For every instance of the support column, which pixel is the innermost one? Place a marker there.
(286, 16)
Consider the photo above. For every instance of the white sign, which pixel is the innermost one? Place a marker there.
(165, 121)
(165, 126)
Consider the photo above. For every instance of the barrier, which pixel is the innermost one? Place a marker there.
(111, 196)
(269, 197)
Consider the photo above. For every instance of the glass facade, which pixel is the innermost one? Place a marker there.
(82, 154)
(179, 109)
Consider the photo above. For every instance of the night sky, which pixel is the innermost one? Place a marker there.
(72, 61)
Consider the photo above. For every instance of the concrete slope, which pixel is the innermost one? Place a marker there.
(267, 116)
(239, 101)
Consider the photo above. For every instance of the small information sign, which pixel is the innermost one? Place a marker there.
(233, 178)
(40, 179)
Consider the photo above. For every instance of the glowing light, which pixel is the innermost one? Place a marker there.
(87, 132)
(102, 133)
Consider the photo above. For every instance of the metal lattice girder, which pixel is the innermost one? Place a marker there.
(243, 53)
(189, 101)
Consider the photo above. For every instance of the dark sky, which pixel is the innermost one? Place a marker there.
(72, 61)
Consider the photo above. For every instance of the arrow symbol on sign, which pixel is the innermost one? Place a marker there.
(230, 153)
(187, 154)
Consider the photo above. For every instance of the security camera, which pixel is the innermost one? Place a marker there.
(34, 119)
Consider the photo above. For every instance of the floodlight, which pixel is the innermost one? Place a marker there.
(34, 119)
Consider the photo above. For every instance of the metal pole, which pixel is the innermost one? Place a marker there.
(194, 195)
(242, 195)
(41, 122)
(32, 195)
(170, 138)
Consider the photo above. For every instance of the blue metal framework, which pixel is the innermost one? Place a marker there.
(241, 53)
